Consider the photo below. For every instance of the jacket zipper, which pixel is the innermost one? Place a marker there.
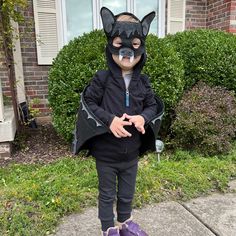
(127, 97)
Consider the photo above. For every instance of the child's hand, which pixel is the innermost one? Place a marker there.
(117, 127)
(138, 122)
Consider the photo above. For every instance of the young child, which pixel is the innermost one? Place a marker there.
(116, 108)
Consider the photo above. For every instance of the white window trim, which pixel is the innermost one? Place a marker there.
(96, 6)
(62, 20)
(130, 5)
(162, 19)
(59, 24)
(97, 22)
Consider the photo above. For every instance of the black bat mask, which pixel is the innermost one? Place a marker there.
(127, 31)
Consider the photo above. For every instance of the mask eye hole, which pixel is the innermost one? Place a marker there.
(136, 42)
(117, 42)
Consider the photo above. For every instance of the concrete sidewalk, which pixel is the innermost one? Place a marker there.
(204, 216)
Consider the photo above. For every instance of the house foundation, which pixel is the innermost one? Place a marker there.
(5, 150)
(7, 132)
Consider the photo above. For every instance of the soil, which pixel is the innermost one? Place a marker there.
(39, 145)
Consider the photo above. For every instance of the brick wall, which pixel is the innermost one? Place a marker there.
(195, 14)
(218, 14)
(211, 14)
(36, 77)
(232, 26)
(4, 71)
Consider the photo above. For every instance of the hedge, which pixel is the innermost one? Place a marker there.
(208, 55)
(77, 62)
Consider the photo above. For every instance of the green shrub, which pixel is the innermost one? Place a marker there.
(77, 62)
(208, 55)
(71, 71)
(165, 69)
(206, 120)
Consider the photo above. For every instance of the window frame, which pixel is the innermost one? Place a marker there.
(97, 22)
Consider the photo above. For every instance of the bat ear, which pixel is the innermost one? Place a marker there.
(146, 21)
(108, 19)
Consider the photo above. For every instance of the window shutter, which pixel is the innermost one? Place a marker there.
(46, 28)
(176, 16)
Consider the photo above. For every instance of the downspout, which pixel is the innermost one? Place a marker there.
(9, 63)
(17, 57)
(1, 104)
(20, 83)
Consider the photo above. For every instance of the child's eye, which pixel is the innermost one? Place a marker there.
(136, 43)
(117, 42)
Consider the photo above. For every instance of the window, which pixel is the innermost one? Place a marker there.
(143, 9)
(83, 16)
(59, 21)
(78, 17)
(116, 6)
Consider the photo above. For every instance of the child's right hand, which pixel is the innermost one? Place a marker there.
(117, 127)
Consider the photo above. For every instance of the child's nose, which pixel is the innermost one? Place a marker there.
(126, 52)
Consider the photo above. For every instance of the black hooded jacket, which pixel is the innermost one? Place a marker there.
(105, 97)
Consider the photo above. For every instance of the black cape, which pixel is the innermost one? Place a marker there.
(88, 126)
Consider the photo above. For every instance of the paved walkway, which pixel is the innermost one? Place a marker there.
(203, 216)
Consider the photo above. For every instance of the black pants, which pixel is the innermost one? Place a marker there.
(116, 181)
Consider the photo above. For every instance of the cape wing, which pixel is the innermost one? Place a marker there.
(152, 128)
(87, 126)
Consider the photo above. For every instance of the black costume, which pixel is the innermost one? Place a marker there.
(107, 97)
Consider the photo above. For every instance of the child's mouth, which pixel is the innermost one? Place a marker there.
(126, 53)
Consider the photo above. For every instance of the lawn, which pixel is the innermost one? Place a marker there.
(34, 197)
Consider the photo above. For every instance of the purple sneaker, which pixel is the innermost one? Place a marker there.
(112, 231)
(129, 228)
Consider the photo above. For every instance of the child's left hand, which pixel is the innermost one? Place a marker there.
(138, 122)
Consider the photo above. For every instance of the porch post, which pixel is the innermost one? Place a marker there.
(1, 104)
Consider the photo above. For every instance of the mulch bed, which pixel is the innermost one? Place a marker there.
(40, 145)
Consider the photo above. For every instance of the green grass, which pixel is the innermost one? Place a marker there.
(33, 198)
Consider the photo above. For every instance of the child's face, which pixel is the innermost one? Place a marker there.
(126, 63)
